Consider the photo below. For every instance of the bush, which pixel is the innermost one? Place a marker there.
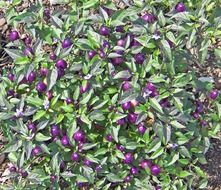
(102, 97)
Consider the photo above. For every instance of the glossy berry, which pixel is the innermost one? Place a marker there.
(117, 61)
(53, 56)
(109, 138)
(13, 35)
(121, 121)
(126, 86)
(102, 54)
(139, 58)
(31, 77)
(36, 151)
(87, 162)
(141, 128)
(75, 157)
(203, 123)
(49, 95)
(43, 71)
(27, 41)
(164, 103)
(10, 92)
(126, 106)
(127, 179)
(91, 54)
(155, 170)
(31, 127)
(128, 158)
(145, 164)
(66, 43)
(104, 31)
(85, 88)
(69, 100)
(24, 174)
(12, 169)
(148, 18)
(79, 136)
(11, 77)
(120, 29)
(98, 168)
(180, 7)
(41, 87)
(132, 117)
(196, 115)
(55, 130)
(213, 94)
(157, 188)
(120, 147)
(28, 51)
(53, 178)
(106, 44)
(199, 108)
(134, 170)
(121, 42)
(61, 73)
(61, 64)
(65, 140)
(150, 86)
(47, 13)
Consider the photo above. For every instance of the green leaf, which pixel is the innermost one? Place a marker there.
(157, 153)
(128, 96)
(184, 174)
(13, 147)
(113, 178)
(115, 131)
(86, 98)
(13, 53)
(40, 137)
(154, 104)
(34, 101)
(88, 146)
(96, 115)
(52, 78)
(155, 144)
(177, 124)
(122, 74)
(166, 50)
(131, 145)
(90, 3)
(39, 115)
(218, 106)
(100, 151)
(174, 159)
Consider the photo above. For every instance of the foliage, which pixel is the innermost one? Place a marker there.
(131, 83)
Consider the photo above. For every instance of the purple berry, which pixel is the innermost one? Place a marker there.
(134, 170)
(12, 169)
(87, 162)
(65, 140)
(109, 138)
(180, 7)
(120, 147)
(53, 178)
(66, 43)
(10, 92)
(106, 44)
(104, 31)
(128, 158)
(28, 51)
(43, 71)
(199, 108)
(31, 77)
(126, 106)
(121, 121)
(75, 157)
(53, 56)
(121, 42)
(79, 136)
(61, 64)
(150, 86)
(139, 58)
(47, 13)
(117, 61)
(203, 123)
(36, 151)
(102, 54)
(49, 95)
(91, 54)
(126, 86)
(213, 94)
(148, 18)
(69, 100)
(41, 87)
(127, 179)
(120, 29)
(31, 127)
(154, 94)
(145, 164)
(141, 128)
(164, 103)
(196, 115)
(85, 88)
(55, 130)
(157, 188)
(134, 43)
(13, 35)
(61, 73)
(155, 170)
(132, 117)
(11, 77)
(27, 41)
(98, 168)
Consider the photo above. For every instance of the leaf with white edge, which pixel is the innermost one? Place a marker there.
(52, 78)
(88, 146)
(122, 75)
(155, 144)
(177, 124)
(13, 53)
(157, 153)
(131, 145)
(154, 104)
(113, 178)
(174, 159)
(86, 98)
(42, 125)
(40, 137)
(128, 96)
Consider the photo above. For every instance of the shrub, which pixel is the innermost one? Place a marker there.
(102, 97)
